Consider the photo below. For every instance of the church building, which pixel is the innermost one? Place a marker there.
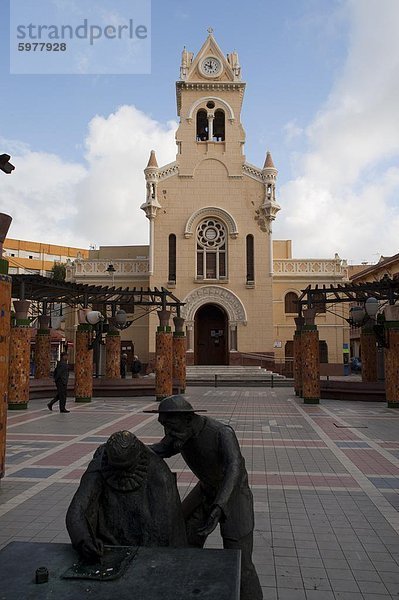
(210, 218)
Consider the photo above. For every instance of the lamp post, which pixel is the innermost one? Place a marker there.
(111, 271)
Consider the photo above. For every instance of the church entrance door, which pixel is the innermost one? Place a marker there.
(211, 335)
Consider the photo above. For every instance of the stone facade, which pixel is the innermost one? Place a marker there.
(83, 364)
(113, 356)
(42, 354)
(210, 216)
(18, 380)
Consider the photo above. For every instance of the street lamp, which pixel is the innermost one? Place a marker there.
(5, 164)
(111, 271)
(360, 315)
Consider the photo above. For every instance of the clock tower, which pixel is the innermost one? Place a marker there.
(211, 215)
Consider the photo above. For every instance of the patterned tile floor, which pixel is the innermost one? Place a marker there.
(325, 481)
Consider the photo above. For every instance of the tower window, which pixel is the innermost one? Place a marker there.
(219, 126)
(172, 258)
(202, 126)
(250, 258)
(211, 250)
(291, 303)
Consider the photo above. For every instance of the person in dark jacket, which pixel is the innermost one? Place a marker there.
(123, 365)
(222, 495)
(136, 366)
(127, 497)
(61, 374)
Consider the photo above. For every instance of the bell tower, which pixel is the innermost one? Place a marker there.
(209, 97)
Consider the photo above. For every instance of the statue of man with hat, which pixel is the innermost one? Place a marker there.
(222, 495)
(127, 497)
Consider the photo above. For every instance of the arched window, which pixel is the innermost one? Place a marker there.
(218, 126)
(291, 303)
(323, 351)
(202, 125)
(211, 250)
(250, 258)
(172, 258)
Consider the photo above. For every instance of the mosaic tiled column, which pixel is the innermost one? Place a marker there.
(179, 355)
(19, 365)
(113, 355)
(163, 358)
(310, 364)
(43, 349)
(83, 364)
(391, 356)
(368, 344)
(5, 306)
(297, 364)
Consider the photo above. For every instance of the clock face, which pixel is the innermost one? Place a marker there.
(211, 66)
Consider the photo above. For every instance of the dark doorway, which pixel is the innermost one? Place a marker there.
(211, 336)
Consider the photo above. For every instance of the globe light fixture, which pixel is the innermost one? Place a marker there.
(371, 307)
(94, 316)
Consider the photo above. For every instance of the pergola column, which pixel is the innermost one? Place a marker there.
(368, 344)
(113, 355)
(179, 355)
(299, 321)
(310, 360)
(391, 356)
(19, 365)
(83, 363)
(5, 306)
(43, 349)
(164, 357)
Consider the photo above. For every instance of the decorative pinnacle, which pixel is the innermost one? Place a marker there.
(152, 162)
(210, 30)
(269, 164)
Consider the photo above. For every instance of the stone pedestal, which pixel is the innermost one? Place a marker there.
(83, 364)
(113, 355)
(310, 364)
(368, 344)
(179, 361)
(19, 366)
(297, 364)
(5, 306)
(42, 354)
(391, 362)
(163, 363)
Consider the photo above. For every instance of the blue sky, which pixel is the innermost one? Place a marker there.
(317, 74)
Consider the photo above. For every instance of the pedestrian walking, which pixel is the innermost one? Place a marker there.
(136, 366)
(61, 374)
(123, 365)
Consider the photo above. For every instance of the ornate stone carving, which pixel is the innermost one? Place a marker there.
(212, 211)
(216, 99)
(253, 172)
(309, 267)
(98, 267)
(214, 294)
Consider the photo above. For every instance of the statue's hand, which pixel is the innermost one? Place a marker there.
(91, 549)
(213, 520)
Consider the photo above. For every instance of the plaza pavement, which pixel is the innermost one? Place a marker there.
(325, 481)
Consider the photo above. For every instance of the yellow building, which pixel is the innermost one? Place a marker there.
(210, 217)
(36, 258)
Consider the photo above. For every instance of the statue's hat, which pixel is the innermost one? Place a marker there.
(174, 404)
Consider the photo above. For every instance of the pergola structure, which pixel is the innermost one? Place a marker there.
(15, 336)
(44, 291)
(383, 331)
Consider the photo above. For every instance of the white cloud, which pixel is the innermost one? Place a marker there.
(69, 203)
(346, 196)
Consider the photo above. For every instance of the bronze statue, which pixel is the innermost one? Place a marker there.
(212, 452)
(126, 497)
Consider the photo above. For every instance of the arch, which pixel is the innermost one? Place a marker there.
(202, 131)
(212, 211)
(214, 294)
(205, 99)
(219, 132)
(172, 258)
(291, 303)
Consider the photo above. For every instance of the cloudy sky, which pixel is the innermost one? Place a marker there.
(322, 95)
